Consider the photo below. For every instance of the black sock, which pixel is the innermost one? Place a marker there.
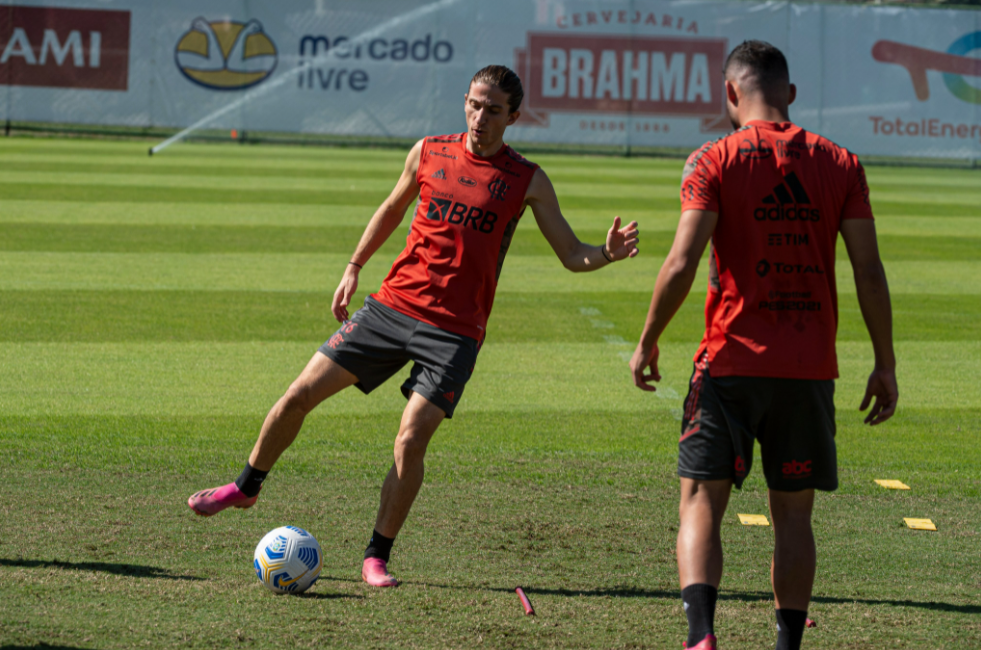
(790, 628)
(379, 546)
(250, 480)
(700, 609)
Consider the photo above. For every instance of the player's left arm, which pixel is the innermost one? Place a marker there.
(671, 288)
(621, 243)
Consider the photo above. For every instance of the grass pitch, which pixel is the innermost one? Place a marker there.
(152, 310)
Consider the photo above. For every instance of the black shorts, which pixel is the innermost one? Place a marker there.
(378, 341)
(794, 420)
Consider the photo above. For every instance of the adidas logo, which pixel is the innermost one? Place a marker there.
(449, 396)
(786, 204)
(440, 175)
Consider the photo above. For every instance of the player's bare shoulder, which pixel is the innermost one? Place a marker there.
(540, 188)
(415, 155)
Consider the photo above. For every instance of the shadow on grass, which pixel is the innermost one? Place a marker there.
(749, 597)
(40, 645)
(132, 570)
(753, 597)
(317, 595)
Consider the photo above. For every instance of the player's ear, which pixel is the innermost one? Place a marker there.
(513, 117)
(731, 93)
(792, 95)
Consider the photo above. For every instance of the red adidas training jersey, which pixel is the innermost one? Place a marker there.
(781, 193)
(468, 209)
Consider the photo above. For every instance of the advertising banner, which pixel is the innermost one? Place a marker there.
(877, 80)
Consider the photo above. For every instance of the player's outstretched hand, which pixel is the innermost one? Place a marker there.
(345, 291)
(882, 386)
(621, 243)
(641, 361)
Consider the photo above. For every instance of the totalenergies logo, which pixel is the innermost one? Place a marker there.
(954, 64)
(225, 55)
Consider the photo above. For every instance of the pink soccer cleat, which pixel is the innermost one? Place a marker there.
(212, 501)
(708, 643)
(374, 571)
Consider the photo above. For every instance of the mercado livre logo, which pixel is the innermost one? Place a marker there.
(225, 54)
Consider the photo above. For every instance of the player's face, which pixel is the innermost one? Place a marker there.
(487, 115)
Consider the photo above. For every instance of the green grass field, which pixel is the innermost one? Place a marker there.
(153, 309)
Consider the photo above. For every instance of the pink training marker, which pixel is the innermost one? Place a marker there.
(810, 623)
(529, 610)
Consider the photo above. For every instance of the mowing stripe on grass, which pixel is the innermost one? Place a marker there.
(319, 272)
(280, 215)
(106, 316)
(245, 378)
(191, 238)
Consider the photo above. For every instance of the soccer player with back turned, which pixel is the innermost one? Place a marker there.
(433, 306)
(772, 198)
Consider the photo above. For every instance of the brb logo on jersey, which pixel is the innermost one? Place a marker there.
(225, 55)
(954, 64)
(447, 211)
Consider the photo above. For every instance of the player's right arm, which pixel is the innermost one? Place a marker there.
(673, 283)
(386, 219)
(873, 299)
(699, 216)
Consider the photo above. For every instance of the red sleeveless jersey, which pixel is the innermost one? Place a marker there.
(781, 194)
(468, 209)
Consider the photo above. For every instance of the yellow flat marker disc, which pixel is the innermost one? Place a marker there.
(890, 484)
(753, 520)
(919, 524)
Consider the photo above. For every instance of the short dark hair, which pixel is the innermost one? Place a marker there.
(766, 64)
(504, 78)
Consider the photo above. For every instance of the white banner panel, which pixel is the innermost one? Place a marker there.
(886, 81)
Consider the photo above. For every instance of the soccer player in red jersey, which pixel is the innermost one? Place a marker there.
(772, 198)
(433, 306)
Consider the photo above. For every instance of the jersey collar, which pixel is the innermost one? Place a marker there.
(502, 152)
(781, 127)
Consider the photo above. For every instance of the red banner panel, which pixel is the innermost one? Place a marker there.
(64, 48)
(623, 74)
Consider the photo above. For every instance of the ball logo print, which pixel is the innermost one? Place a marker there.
(955, 64)
(225, 55)
(288, 560)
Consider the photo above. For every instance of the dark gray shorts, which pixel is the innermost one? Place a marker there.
(794, 420)
(378, 341)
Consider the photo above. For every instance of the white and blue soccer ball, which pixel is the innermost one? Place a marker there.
(288, 560)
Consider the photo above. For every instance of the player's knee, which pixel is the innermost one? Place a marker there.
(298, 400)
(699, 497)
(792, 509)
(409, 444)
(791, 519)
